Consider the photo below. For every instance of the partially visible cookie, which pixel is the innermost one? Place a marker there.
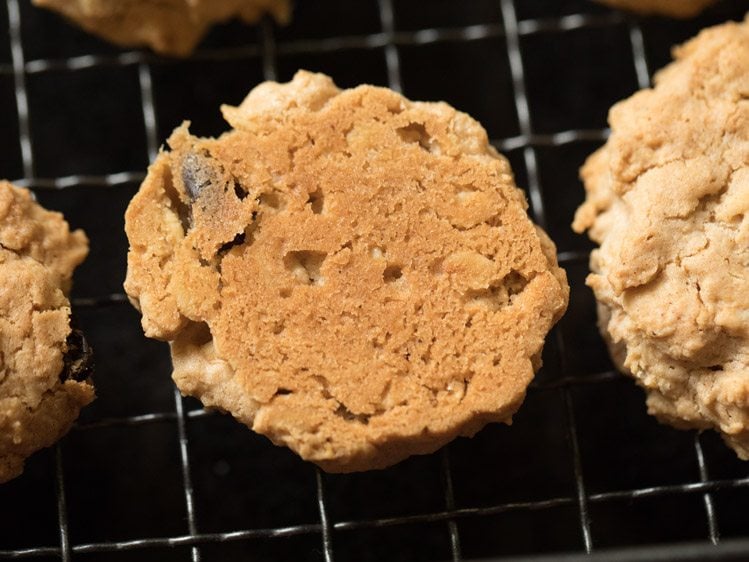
(350, 273)
(44, 364)
(668, 202)
(673, 8)
(170, 27)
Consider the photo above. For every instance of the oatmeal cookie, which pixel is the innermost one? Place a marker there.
(673, 8)
(668, 202)
(349, 273)
(44, 365)
(170, 27)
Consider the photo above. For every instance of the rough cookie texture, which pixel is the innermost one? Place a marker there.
(673, 8)
(347, 272)
(668, 202)
(43, 364)
(171, 27)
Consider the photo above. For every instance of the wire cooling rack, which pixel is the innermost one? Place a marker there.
(147, 475)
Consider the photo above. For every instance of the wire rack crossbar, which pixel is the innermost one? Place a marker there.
(447, 515)
(564, 258)
(707, 498)
(551, 140)
(150, 120)
(452, 526)
(19, 76)
(62, 510)
(388, 37)
(642, 72)
(512, 35)
(157, 417)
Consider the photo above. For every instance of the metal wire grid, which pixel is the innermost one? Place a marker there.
(389, 39)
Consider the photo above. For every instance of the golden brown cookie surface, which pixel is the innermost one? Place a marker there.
(170, 27)
(43, 370)
(349, 273)
(668, 202)
(673, 8)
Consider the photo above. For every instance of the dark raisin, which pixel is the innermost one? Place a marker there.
(195, 174)
(78, 359)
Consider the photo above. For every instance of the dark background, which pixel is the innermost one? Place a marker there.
(582, 455)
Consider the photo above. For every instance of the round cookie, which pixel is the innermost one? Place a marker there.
(349, 273)
(170, 27)
(44, 365)
(668, 202)
(673, 8)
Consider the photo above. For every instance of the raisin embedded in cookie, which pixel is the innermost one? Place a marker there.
(170, 27)
(673, 8)
(44, 364)
(347, 272)
(668, 202)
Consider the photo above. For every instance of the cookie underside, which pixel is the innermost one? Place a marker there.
(349, 273)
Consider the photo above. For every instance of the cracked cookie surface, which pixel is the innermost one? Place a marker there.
(349, 273)
(44, 365)
(673, 8)
(668, 202)
(170, 27)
